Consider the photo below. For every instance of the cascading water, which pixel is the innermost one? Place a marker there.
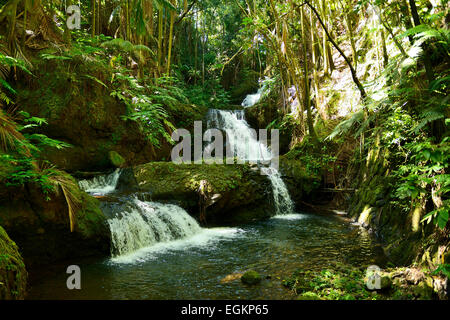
(136, 224)
(140, 224)
(140, 229)
(252, 99)
(247, 147)
(239, 135)
(101, 185)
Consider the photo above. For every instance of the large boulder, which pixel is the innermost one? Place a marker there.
(300, 183)
(41, 226)
(13, 275)
(244, 194)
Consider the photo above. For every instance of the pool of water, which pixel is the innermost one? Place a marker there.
(205, 265)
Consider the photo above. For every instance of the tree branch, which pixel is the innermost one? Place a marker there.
(352, 70)
(186, 12)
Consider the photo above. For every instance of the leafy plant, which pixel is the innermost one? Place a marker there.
(444, 268)
(424, 176)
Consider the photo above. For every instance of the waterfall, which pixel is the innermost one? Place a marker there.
(140, 224)
(239, 135)
(101, 185)
(252, 99)
(247, 147)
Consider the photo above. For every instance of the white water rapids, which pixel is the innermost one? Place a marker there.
(100, 185)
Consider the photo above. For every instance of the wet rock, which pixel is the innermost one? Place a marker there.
(251, 277)
(13, 275)
(299, 182)
(41, 227)
(116, 159)
(245, 194)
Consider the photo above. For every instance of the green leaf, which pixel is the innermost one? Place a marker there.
(442, 218)
(96, 80)
(7, 86)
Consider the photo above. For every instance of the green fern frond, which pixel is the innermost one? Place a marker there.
(345, 126)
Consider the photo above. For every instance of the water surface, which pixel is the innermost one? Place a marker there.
(195, 268)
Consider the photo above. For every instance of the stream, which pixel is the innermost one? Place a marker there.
(160, 252)
(196, 267)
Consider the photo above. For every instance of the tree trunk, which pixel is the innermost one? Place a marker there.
(352, 70)
(169, 55)
(307, 98)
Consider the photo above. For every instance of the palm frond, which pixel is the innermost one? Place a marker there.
(9, 135)
(69, 188)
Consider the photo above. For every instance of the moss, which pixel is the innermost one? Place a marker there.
(342, 282)
(6, 169)
(41, 226)
(81, 112)
(309, 296)
(116, 159)
(184, 115)
(423, 291)
(90, 219)
(245, 194)
(13, 275)
(251, 277)
(299, 181)
(188, 176)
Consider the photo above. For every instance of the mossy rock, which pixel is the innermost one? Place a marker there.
(385, 283)
(116, 159)
(251, 277)
(245, 194)
(41, 226)
(299, 182)
(309, 296)
(423, 291)
(13, 275)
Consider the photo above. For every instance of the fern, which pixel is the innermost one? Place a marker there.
(125, 46)
(48, 56)
(96, 80)
(345, 126)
